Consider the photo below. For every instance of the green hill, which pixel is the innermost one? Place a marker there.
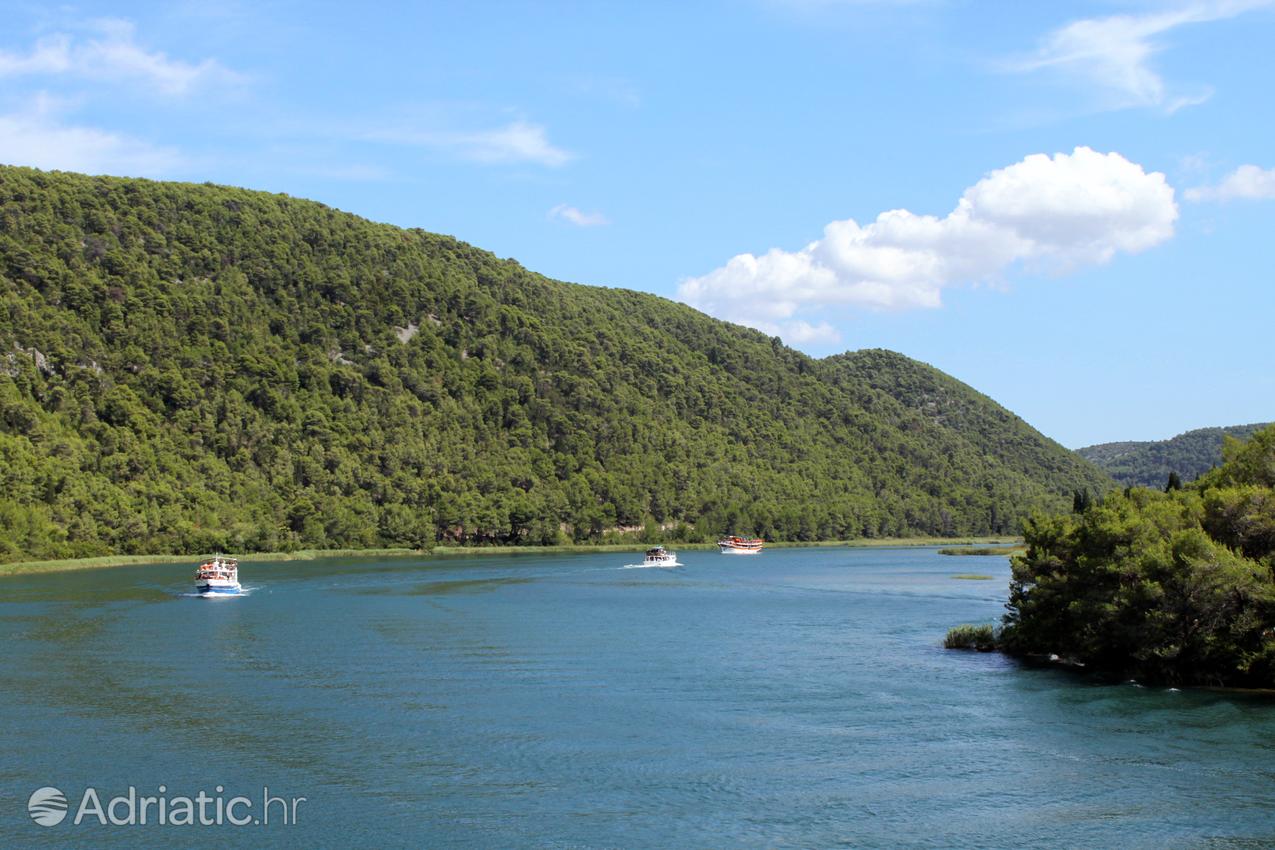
(957, 413)
(1148, 464)
(194, 367)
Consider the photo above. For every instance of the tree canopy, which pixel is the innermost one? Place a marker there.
(1172, 587)
(196, 367)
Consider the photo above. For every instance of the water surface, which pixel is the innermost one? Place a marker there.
(795, 699)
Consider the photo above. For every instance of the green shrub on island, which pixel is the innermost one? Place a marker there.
(980, 550)
(983, 638)
(1172, 587)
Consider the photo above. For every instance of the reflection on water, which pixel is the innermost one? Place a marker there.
(797, 699)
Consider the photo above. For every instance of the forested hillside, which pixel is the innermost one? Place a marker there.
(962, 415)
(1148, 464)
(190, 368)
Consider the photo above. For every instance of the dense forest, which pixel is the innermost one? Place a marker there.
(187, 368)
(1172, 587)
(1148, 464)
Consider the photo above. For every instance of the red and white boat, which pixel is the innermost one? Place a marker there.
(740, 545)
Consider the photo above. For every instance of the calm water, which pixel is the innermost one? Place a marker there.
(796, 699)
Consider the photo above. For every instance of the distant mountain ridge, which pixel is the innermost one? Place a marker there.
(1148, 464)
(196, 367)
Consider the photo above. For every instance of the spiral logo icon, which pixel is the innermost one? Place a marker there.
(47, 806)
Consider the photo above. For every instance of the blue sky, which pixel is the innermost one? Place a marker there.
(1078, 198)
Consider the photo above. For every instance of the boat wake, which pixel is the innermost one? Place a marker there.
(243, 591)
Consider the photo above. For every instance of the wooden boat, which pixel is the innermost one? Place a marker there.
(732, 545)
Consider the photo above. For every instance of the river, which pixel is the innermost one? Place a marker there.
(800, 698)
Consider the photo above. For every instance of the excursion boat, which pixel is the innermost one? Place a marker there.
(660, 557)
(740, 545)
(218, 576)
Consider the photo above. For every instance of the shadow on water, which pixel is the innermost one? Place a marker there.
(443, 588)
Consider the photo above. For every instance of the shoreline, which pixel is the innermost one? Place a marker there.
(18, 568)
(858, 543)
(105, 561)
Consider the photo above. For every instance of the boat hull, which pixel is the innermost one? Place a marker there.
(217, 587)
(738, 550)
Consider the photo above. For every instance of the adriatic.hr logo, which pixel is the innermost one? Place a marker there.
(47, 806)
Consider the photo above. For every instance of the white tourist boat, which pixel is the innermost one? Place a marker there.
(731, 545)
(218, 576)
(660, 557)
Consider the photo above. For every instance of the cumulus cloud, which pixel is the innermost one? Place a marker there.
(576, 216)
(111, 52)
(1113, 55)
(1248, 182)
(1049, 213)
(40, 138)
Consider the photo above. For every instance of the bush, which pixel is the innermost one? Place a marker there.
(984, 638)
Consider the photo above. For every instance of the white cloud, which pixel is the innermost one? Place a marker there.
(51, 55)
(357, 172)
(1051, 213)
(614, 89)
(799, 332)
(579, 218)
(112, 53)
(39, 139)
(516, 142)
(1112, 55)
(823, 5)
(1248, 182)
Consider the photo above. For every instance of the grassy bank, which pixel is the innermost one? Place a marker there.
(29, 567)
(570, 548)
(902, 542)
(862, 543)
(982, 550)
